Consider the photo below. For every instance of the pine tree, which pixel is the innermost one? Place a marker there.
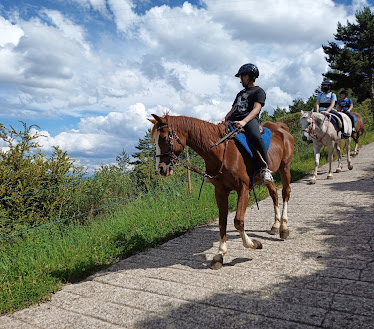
(352, 60)
(144, 169)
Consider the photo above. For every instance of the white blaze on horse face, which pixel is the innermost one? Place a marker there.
(158, 151)
(162, 168)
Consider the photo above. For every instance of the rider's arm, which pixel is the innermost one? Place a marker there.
(338, 108)
(331, 106)
(350, 107)
(256, 110)
(317, 105)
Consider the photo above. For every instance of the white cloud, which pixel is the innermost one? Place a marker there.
(182, 59)
(9, 33)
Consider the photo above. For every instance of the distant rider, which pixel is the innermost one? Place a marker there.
(326, 101)
(345, 105)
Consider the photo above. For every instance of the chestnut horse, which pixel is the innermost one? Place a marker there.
(227, 171)
(360, 130)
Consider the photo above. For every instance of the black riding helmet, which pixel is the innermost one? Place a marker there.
(328, 82)
(249, 69)
(344, 92)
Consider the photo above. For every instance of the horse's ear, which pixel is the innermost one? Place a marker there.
(159, 119)
(152, 121)
(302, 112)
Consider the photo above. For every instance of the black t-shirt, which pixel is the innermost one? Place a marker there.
(244, 102)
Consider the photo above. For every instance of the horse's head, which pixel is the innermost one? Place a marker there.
(307, 126)
(168, 145)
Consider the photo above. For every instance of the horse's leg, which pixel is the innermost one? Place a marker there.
(277, 216)
(331, 152)
(317, 155)
(355, 137)
(242, 203)
(339, 151)
(285, 173)
(347, 146)
(222, 199)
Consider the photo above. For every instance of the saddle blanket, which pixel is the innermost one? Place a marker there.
(246, 143)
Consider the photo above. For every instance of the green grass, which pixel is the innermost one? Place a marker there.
(37, 264)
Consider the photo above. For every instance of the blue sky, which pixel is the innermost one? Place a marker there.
(90, 72)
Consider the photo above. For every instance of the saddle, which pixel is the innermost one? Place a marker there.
(336, 120)
(242, 139)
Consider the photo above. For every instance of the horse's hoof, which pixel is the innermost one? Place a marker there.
(274, 230)
(284, 234)
(338, 170)
(312, 181)
(258, 244)
(217, 262)
(330, 177)
(350, 167)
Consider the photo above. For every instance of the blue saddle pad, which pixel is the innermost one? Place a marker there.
(246, 143)
(354, 119)
(333, 119)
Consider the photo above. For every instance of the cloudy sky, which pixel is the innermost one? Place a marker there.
(90, 72)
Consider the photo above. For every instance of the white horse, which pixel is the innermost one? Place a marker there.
(317, 128)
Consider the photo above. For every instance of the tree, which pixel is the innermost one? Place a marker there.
(26, 178)
(144, 169)
(265, 116)
(352, 60)
(299, 105)
(123, 160)
(278, 113)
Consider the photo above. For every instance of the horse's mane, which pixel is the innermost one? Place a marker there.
(205, 133)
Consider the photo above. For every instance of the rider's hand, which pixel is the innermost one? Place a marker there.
(222, 122)
(239, 124)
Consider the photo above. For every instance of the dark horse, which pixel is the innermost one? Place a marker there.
(360, 130)
(230, 172)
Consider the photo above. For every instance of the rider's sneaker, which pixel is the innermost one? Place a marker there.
(353, 129)
(266, 176)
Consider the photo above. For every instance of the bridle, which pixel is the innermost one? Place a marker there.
(171, 154)
(174, 158)
(311, 131)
